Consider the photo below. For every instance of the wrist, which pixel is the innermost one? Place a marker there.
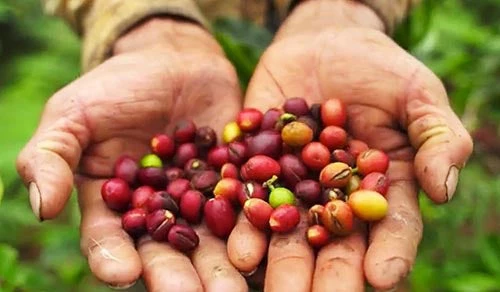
(313, 16)
(172, 33)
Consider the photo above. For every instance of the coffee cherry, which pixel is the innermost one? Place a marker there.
(270, 119)
(229, 170)
(152, 176)
(331, 194)
(151, 160)
(281, 196)
(205, 181)
(267, 143)
(296, 134)
(333, 113)
(177, 188)
(368, 205)
(338, 217)
(126, 168)
(191, 206)
(159, 223)
(296, 106)
(314, 214)
(333, 137)
(194, 166)
(372, 160)
(162, 200)
(219, 216)
(184, 153)
(340, 155)
(292, 170)
(308, 191)
(141, 195)
(377, 182)
(174, 173)
(284, 218)
(218, 156)
(315, 155)
(260, 168)
(134, 222)
(162, 145)
(116, 194)
(231, 132)
(250, 190)
(249, 119)
(183, 238)
(228, 188)
(184, 131)
(315, 111)
(355, 147)
(317, 236)
(237, 152)
(335, 175)
(258, 212)
(205, 138)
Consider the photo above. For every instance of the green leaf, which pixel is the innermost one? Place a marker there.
(8, 256)
(1, 190)
(474, 283)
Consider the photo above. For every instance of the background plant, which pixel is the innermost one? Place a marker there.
(458, 39)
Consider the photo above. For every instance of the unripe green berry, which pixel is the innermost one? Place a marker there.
(151, 160)
(280, 196)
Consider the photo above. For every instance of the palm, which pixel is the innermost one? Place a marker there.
(115, 110)
(350, 66)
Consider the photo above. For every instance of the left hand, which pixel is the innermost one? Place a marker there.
(394, 104)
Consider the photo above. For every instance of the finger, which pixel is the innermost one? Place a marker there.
(340, 264)
(167, 268)
(47, 162)
(290, 261)
(213, 266)
(246, 245)
(443, 144)
(110, 251)
(394, 239)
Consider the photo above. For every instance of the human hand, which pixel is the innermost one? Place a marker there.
(161, 71)
(333, 49)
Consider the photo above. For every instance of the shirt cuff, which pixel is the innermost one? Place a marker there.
(102, 22)
(391, 12)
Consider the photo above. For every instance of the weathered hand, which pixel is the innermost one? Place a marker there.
(395, 104)
(162, 71)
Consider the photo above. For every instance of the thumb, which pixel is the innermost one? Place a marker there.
(47, 162)
(443, 144)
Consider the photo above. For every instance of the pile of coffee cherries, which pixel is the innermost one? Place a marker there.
(266, 164)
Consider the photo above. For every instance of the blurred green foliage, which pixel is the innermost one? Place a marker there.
(458, 39)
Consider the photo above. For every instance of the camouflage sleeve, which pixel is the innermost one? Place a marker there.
(101, 22)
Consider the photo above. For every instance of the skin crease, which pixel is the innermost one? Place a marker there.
(394, 104)
(115, 109)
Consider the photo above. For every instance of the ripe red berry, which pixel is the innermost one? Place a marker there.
(372, 160)
(315, 155)
(116, 194)
(249, 119)
(333, 137)
(162, 145)
(333, 113)
(184, 131)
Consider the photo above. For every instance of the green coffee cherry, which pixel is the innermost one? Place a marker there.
(280, 196)
(151, 160)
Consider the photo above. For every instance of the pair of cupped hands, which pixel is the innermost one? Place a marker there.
(167, 69)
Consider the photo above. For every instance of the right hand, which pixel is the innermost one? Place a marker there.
(162, 71)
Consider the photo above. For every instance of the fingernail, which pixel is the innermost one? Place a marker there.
(35, 200)
(394, 289)
(121, 287)
(248, 274)
(451, 182)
